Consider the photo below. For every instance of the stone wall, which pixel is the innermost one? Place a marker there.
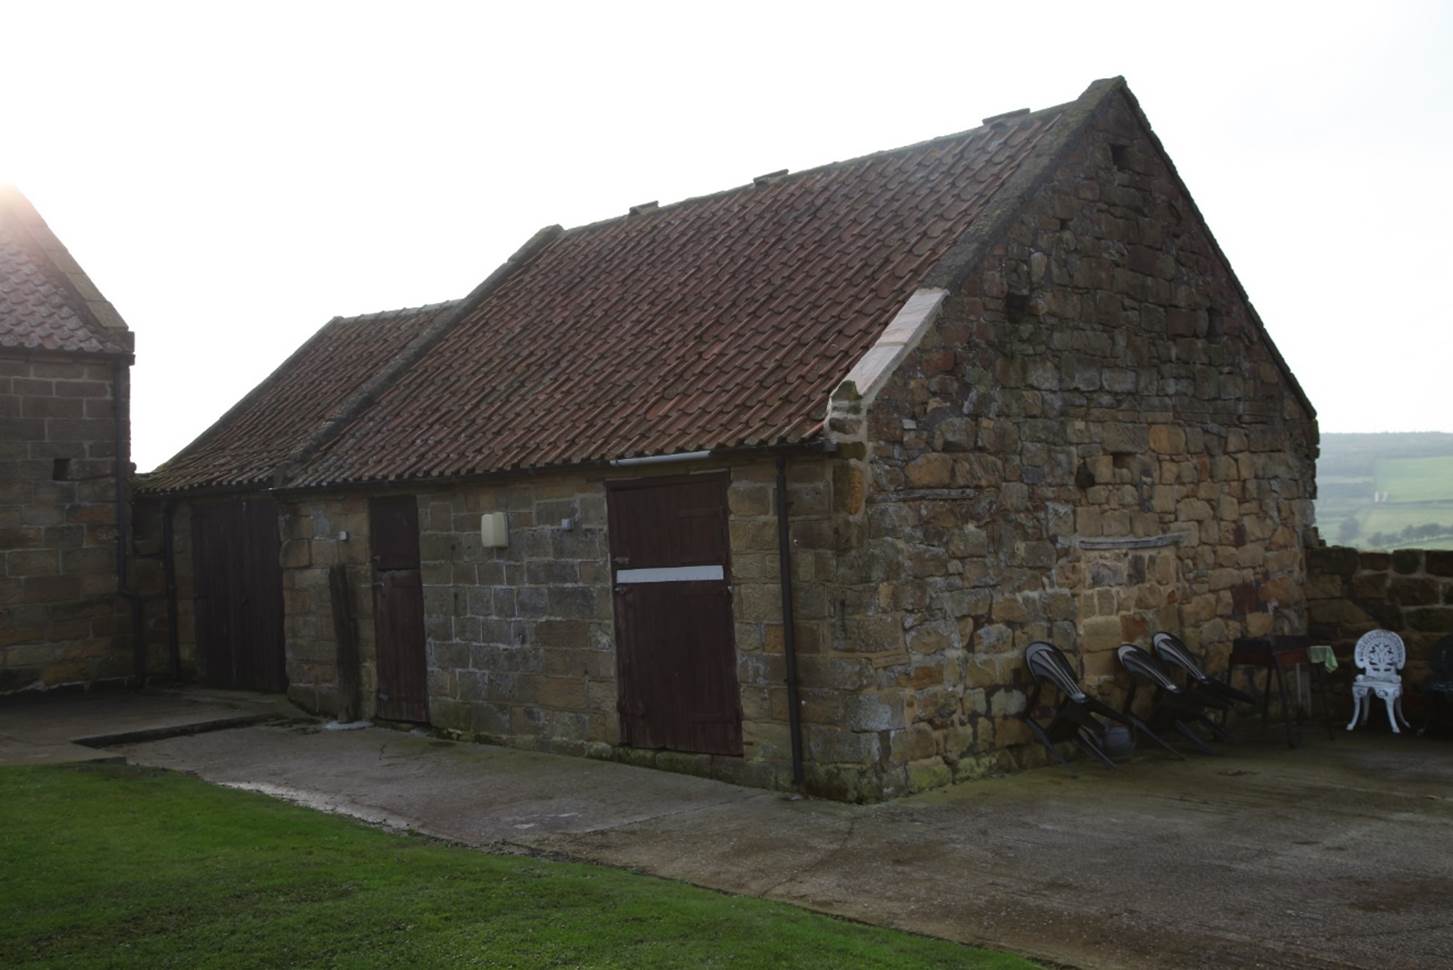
(521, 640)
(318, 532)
(61, 621)
(844, 715)
(1409, 591)
(1091, 442)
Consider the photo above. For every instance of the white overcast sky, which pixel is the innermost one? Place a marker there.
(233, 175)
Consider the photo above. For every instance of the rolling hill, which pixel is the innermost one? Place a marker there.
(1384, 491)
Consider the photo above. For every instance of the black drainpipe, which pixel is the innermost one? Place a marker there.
(120, 400)
(789, 630)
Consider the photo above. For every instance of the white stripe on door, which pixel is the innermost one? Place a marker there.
(670, 574)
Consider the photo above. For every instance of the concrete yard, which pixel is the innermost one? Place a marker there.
(73, 726)
(1339, 854)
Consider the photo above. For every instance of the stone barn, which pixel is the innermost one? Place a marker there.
(774, 484)
(65, 362)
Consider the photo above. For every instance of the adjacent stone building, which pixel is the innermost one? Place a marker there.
(65, 358)
(939, 402)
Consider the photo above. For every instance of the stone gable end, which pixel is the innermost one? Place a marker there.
(1092, 442)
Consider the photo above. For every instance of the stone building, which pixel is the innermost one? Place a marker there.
(65, 358)
(993, 387)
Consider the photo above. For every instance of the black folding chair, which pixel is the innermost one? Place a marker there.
(1206, 689)
(1172, 707)
(1077, 716)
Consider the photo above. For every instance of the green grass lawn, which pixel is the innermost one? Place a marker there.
(111, 866)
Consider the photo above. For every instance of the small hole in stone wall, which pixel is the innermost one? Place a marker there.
(1120, 155)
(1016, 306)
(1064, 224)
(1215, 326)
(60, 470)
(1084, 478)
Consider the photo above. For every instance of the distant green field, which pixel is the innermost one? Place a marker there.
(1391, 518)
(1416, 479)
(1386, 491)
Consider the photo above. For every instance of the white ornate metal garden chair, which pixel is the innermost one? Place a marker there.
(1380, 655)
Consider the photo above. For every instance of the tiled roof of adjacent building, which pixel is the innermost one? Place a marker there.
(47, 302)
(716, 323)
(265, 427)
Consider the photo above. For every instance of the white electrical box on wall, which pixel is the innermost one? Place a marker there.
(494, 530)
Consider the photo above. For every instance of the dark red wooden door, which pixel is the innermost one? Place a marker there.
(238, 575)
(398, 609)
(675, 649)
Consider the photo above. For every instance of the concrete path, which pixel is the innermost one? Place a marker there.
(1336, 855)
(72, 726)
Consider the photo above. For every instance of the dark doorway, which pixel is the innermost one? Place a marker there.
(239, 594)
(676, 654)
(398, 609)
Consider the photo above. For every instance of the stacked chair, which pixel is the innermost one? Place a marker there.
(1172, 707)
(1184, 709)
(1169, 650)
(1078, 717)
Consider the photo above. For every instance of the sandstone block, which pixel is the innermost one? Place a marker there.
(1411, 591)
(1167, 439)
(1100, 633)
(1193, 510)
(931, 638)
(978, 471)
(749, 498)
(955, 435)
(1369, 586)
(933, 470)
(873, 633)
(1124, 439)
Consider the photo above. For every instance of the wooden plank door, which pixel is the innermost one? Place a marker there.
(263, 661)
(238, 573)
(212, 574)
(398, 609)
(675, 648)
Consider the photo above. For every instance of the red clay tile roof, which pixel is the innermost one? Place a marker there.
(47, 303)
(261, 430)
(719, 322)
